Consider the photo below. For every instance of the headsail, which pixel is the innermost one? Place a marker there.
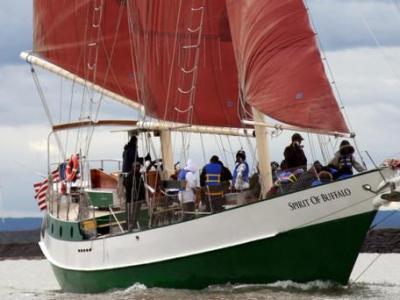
(279, 64)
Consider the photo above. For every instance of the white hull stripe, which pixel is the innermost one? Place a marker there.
(249, 223)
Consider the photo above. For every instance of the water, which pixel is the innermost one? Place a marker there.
(33, 279)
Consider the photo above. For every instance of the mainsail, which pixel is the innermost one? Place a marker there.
(179, 60)
(175, 57)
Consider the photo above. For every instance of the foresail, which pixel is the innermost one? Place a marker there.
(175, 57)
(279, 64)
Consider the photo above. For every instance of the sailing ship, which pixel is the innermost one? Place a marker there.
(196, 67)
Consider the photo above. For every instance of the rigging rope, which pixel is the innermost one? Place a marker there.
(61, 100)
(397, 4)
(365, 270)
(46, 109)
(223, 150)
(330, 72)
(333, 83)
(69, 114)
(203, 149)
(139, 52)
(385, 57)
(131, 48)
(378, 44)
(311, 144)
(231, 149)
(173, 60)
(322, 147)
(218, 145)
(252, 151)
(108, 68)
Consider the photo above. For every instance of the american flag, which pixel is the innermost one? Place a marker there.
(42, 187)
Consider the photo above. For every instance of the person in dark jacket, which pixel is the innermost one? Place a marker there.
(129, 156)
(226, 177)
(210, 181)
(306, 179)
(344, 160)
(212, 172)
(275, 168)
(294, 154)
(135, 194)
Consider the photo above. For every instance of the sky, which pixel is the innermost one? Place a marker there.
(360, 38)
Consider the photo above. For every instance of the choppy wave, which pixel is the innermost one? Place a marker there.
(27, 279)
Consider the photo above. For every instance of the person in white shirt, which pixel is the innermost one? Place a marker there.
(241, 172)
(187, 195)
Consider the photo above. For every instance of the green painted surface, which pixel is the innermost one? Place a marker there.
(100, 199)
(63, 230)
(110, 218)
(73, 230)
(325, 251)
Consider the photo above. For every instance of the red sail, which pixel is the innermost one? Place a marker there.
(280, 68)
(175, 57)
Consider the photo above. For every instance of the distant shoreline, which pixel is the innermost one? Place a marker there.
(382, 241)
(377, 241)
(20, 251)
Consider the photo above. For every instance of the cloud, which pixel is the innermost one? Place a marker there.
(18, 96)
(369, 83)
(15, 29)
(343, 24)
(366, 76)
(22, 105)
(19, 165)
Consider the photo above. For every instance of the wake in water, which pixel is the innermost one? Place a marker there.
(27, 279)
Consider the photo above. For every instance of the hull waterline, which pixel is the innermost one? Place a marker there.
(324, 251)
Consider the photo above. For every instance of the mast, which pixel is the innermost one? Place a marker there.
(166, 152)
(263, 152)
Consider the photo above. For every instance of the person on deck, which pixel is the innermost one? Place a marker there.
(135, 194)
(210, 181)
(226, 177)
(187, 195)
(240, 178)
(129, 156)
(307, 178)
(344, 160)
(323, 177)
(211, 172)
(286, 178)
(294, 154)
(275, 168)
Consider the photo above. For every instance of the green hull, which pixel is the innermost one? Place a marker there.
(325, 251)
